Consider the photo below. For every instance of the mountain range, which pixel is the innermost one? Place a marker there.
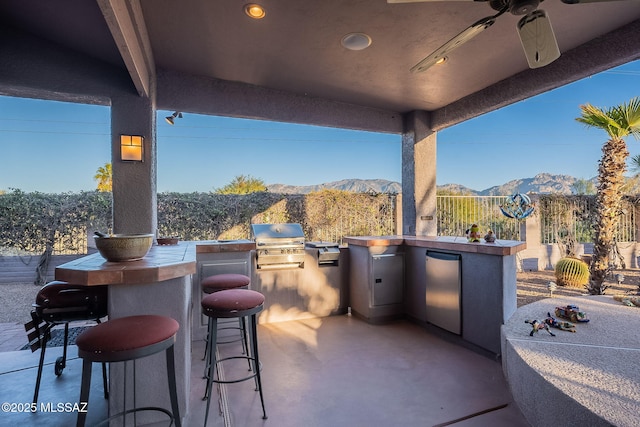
(351, 185)
(543, 183)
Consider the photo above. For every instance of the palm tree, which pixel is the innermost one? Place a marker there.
(618, 122)
(104, 177)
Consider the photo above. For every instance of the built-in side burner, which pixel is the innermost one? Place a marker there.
(328, 252)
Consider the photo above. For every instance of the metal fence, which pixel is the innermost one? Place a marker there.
(457, 213)
(561, 217)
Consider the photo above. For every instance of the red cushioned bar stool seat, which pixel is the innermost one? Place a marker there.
(125, 339)
(233, 303)
(60, 303)
(221, 282)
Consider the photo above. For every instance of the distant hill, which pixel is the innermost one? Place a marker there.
(543, 183)
(352, 185)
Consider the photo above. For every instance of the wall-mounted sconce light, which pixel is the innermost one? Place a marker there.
(172, 117)
(131, 148)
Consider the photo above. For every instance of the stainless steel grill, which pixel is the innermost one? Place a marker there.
(278, 245)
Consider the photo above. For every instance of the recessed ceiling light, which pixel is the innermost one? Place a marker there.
(441, 60)
(254, 11)
(356, 41)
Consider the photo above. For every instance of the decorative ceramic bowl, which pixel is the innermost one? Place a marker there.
(124, 247)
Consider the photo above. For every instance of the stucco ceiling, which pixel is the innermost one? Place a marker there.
(296, 48)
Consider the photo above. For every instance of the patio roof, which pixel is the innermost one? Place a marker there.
(293, 57)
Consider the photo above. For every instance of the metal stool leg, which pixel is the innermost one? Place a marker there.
(212, 363)
(173, 393)
(245, 342)
(206, 349)
(256, 360)
(84, 391)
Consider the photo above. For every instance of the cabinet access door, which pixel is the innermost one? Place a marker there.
(443, 290)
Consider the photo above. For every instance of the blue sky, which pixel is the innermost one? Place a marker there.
(53, 147)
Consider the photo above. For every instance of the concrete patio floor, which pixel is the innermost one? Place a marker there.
(334, 371)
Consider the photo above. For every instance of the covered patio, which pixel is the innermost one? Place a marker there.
(292, 66)
(324, 372)
(206, 57)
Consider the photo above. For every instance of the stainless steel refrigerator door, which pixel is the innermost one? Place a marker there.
(444, 283)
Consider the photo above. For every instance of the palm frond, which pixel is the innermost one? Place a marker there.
(618, 121)
(635, 163)
(631, 113)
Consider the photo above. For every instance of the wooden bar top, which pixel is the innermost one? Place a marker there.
(161, 263)
(457, 244)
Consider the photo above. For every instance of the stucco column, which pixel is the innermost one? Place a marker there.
(418, 176)
(134, 183)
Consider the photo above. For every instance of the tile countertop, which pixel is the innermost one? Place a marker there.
(160, 264)
(458, 244)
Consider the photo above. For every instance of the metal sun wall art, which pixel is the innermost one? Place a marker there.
(517, 206)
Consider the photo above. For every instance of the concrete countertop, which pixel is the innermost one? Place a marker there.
(458, 244)
(589, 377)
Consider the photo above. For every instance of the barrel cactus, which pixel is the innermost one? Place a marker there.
(572, 272)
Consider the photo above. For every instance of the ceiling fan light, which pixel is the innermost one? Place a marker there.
(356, 41)
(538, 40)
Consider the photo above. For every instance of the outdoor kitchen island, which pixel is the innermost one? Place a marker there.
(160, 283)
(396, 268)
(311, 282)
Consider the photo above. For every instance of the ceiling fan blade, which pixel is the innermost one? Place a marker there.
(538, 40)
(454, 43)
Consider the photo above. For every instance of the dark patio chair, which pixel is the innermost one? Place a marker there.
(60, 303)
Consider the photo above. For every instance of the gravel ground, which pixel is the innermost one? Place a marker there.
(15, 302)
(532, 285)
(16, 299)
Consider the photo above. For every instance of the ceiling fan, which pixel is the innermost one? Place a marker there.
(534, 28)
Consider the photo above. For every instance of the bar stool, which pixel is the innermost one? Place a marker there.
(60, 303)
(221, 282)
(124, 339)
(233, 303)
